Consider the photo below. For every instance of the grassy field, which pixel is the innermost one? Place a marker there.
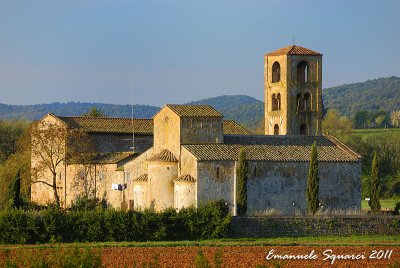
(374, 132)
(369, 240)
(385, 204)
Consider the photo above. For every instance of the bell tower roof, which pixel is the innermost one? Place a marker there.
(294, 50)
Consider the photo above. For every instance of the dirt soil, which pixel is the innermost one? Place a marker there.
(251, 256)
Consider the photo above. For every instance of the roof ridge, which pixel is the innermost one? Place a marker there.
(341, 145)
(164, 156)
(95, 117)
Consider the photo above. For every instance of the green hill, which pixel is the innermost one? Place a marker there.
(35, 112)
(245, 110)
(371, 95)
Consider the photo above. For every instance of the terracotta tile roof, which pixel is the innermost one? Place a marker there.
(108, 124)
(294, 50)
(273, 148)
(230, 127)
(143, 177)
(280, 140)
(164, 156)
(101, 158)
(187, 178)
(124, 125)
(194, 110)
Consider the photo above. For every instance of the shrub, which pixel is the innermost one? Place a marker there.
(52, 225)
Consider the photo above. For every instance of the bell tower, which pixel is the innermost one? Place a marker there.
(293, 91)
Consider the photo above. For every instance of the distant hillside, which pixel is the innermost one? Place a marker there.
(245, 110)
(241, 108)
(371, 95)
(35, 112)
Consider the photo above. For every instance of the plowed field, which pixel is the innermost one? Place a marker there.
(250, 256)
(228, 256)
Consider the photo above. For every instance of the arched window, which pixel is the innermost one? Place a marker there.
(302, 72)
(307, 102)
(279, 101)
(276, 129)
(274, 103)
(303, 129)
(276, 72)
(299, 103)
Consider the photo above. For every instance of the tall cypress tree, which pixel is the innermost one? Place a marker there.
(375, 188)
(241, 184)
(15, 191)
(313, 181)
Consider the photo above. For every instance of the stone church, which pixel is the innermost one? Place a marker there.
(187, 154)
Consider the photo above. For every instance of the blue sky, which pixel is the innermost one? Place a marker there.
(178, 51)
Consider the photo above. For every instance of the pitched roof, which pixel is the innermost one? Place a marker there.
(108, 124)
(164, 156)
(294, 50)
(186, 177)
(194, 110)
(230, 127)
(124, 125)
(273, 148)
(143, 177)
(101, 158)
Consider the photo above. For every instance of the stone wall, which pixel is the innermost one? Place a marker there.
(280, 184)
(167, 131)
(140, 195)
(275, 117)
(135, 168)
(288, 118)
(184, 194)
(41, 193)
(160, 185)
(95, 181)
(215, 180)
(106, 142)
(201, 130)
(259, 227)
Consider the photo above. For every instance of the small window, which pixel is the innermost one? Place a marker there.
(302, 72)
(307, 102)
(101, 175)
(276, 72)
(299, 103)
(276, 129)
(303, 129)
(275, 104)
(218, 175)
(255, 172)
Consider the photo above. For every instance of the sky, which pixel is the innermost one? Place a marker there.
(179, 51)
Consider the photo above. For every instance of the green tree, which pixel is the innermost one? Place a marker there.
(379, 120)
(95, 112)
(241, 189)
(375, 188)
(360, 119)
(313, 181)
(52, 146)
(336, 124)
(15, 191)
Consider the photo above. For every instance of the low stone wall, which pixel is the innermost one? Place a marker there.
(258, 227)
